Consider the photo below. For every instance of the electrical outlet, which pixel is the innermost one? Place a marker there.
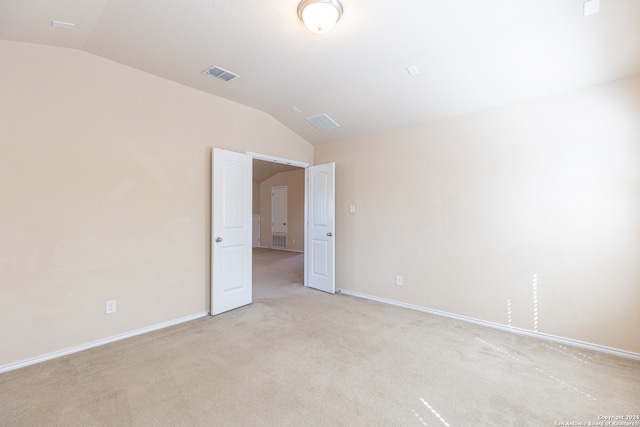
(398, 280)
(111, 306)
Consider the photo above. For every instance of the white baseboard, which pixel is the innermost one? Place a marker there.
(529, 333)
(54, 355)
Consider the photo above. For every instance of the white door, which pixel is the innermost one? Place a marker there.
(279, 209)
(231, 230)
(320, 241)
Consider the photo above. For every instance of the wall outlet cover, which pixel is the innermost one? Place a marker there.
(111, 306)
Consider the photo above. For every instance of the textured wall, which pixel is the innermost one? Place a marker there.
(478, 210)
(105, 194)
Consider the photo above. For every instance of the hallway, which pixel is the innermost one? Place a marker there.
(275, 271)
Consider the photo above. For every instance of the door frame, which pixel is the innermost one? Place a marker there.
(253, 231)
(303, 165)
(274, 159)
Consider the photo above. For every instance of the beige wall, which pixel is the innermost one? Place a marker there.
(294, 180)
(470, 209)
(105, 194)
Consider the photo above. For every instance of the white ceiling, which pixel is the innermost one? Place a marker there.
(472, 54)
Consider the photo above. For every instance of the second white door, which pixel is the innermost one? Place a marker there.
(320, 239)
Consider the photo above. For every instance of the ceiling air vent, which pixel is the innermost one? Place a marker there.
(65, 25)
(220, 73)
(323, 122)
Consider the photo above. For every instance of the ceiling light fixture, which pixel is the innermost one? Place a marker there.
(320, 16)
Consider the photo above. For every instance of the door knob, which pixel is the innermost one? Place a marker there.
(329, 234)
(218, 239)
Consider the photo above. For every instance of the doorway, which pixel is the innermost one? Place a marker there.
(276, 273)
(231, 227)
(278, 197)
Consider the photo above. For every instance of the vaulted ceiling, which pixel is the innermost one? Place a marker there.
(470, 54)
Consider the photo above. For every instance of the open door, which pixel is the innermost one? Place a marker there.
(231, 230)
(319, 269)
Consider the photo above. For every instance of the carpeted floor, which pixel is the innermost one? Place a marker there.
(300, 357)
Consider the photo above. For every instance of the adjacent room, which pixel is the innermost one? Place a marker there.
(277, 226)
(218, 212)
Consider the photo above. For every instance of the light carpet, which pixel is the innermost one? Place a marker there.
(300, 357)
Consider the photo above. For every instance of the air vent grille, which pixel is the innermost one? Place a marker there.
(279, 241)
(220, 73)
(65, 25)
(323, 122)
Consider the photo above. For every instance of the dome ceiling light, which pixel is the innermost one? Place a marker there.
(320, 16)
